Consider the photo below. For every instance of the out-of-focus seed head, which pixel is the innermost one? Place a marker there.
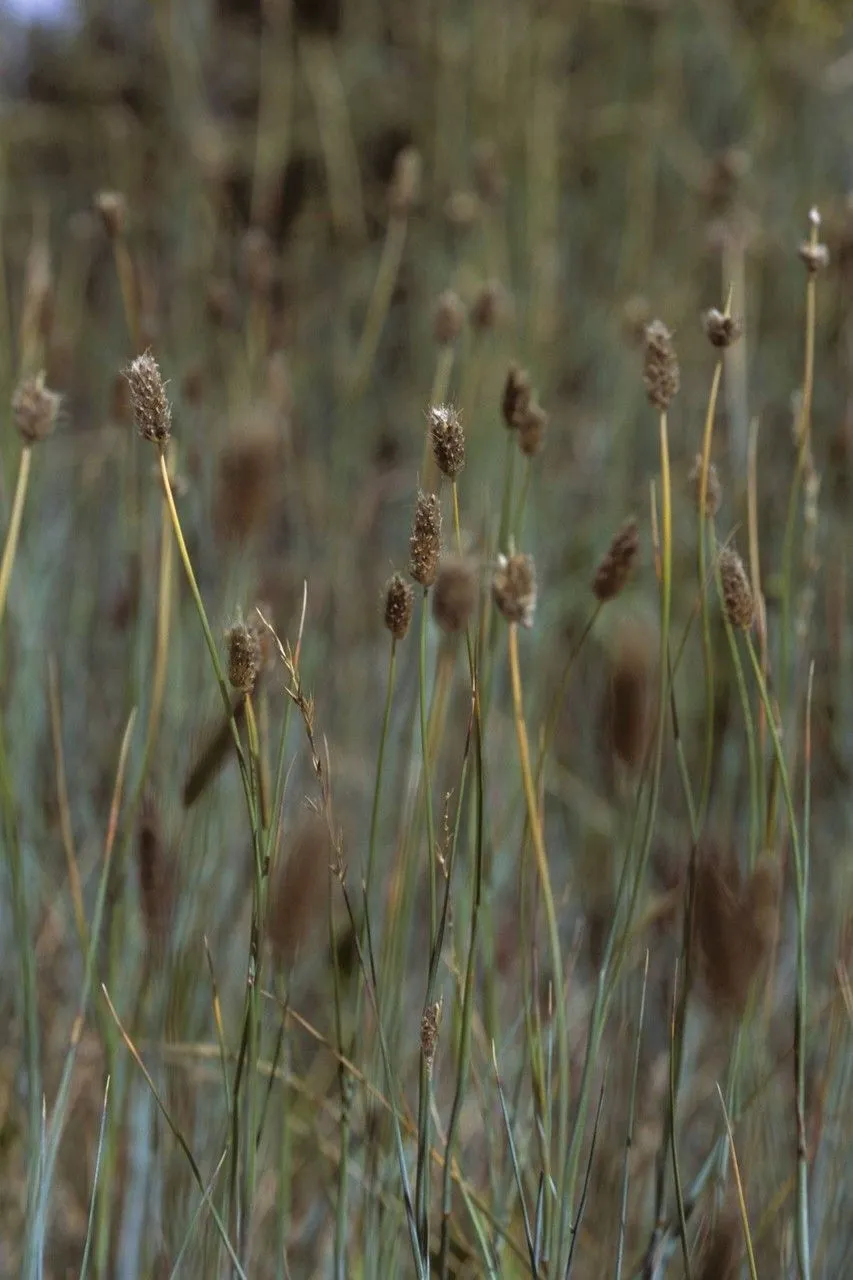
(425, 541)
(722, 330)
(516, 396)
(532, 427)
(151, 409)
(34, 409)
(714, 490)
(489, 308)
(514, 588)
(244, 656)
(455, 596)
(489, 176)
(399, 605)
(112, 207)
(738, 599)
(449, 318)
(406, 182)
(661, 374)
(448, 439)
(636, 314)
(615, 567)
(813, 254)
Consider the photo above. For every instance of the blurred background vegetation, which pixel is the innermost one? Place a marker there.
(275, 196)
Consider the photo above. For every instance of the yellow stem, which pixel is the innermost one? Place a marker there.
(14, 529)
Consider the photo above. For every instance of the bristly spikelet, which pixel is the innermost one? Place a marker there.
(722, 331)
(151, 409)
(532, 426)
(448, 439)
(449, 319)
(244, 656)
(738, 600)
(34, 409)
(425, 541)
(713, 491)
(516, 396)
(455, 596)
(514, 588)
(660, 372)
(615, 568)
(399, 605)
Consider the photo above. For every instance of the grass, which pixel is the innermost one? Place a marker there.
(511, 937)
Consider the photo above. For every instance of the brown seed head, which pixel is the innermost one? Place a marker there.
(448, 439)
(722, 330)
(532, 426)
(155, 868)
(406, 182)
(660, 373)
(738, 600)
(112, 207)
(455, 596)
(425, 541)
(462, 209)
(399, 605)
(614, 570)
(449, 318)
(430, 1023)
(151, 409)
(734, 924)
(514, 588)
(489, 307)
(713, 491)
(516, 396)
(34, 409)
(629, 702)
(299, 889)
(248, 478)
(244, 656)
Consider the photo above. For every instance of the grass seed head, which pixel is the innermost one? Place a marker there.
(489, 307)
(399, 605)
(813, 254)
(449, 320)
(516, 396)
(722, 331)
(514, 588)
(430, 1023)
(734, 924)
(425, 540)
(151, 409)
(713, 491)
(406, 182)
(299, 889)
(738, 600)
(532, 427)
(615, 568)
(448, 439)
(244, 656)
(629, 702)
(661, 374)
(34, 409)
(112, 208)
(455, 596)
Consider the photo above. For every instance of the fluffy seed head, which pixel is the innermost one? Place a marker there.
(449, 318)
(425, 541)
(660, 373)
(722, 330)
(738, 600)
(151, 408)
(34, 409)
(448, 439)
(244, 656)
(532, 426)
(713, 491)
(399, 604)
(516, 396)
(455, 596)
(514, 588)
(615, 568)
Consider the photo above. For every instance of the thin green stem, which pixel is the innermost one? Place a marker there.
(13, 532)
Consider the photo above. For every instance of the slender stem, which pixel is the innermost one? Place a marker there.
(629, 1137)
(548, 900)
(380, 300)
(14, 529)
(427, 785)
